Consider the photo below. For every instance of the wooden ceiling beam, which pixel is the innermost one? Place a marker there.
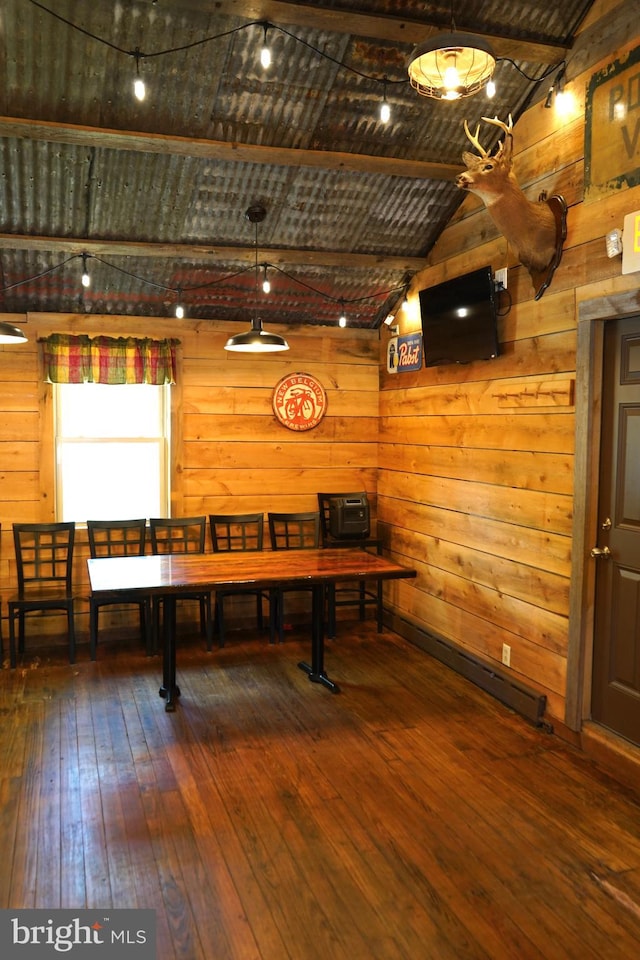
(107, 139)
(208, 253)
(401, 30)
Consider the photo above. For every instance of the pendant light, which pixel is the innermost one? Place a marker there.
(451, 65)
(10, 334)
(256, 340)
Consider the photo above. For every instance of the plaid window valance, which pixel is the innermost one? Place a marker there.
(83, 359)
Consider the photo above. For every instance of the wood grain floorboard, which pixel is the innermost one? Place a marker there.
(410, 816)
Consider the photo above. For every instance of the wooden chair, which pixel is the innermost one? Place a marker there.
(352, 595)
(233, 532)
(290, 531)
(182, 535)
(44, 558)
(119, 538)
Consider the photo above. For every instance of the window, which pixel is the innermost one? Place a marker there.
(112, 451)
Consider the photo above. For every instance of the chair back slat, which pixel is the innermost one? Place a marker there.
(44, 553)
(117, 538)
(236, 531)
(294, 531)
(178, 534)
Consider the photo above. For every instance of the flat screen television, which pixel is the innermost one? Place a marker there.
(459, 319)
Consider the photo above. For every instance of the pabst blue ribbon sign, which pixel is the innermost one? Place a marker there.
(404, 353)
(299, 401)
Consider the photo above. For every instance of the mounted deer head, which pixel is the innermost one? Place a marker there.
(535, 229)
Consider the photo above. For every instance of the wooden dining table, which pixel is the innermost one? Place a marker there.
(167, 577)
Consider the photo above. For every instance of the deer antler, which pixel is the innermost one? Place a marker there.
(474, 139)
(505, 127)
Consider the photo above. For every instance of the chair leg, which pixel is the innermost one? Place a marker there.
(219, 619)
(146, 626)
(12, 637)
(72, 633)
(208, 622)
(331, 611)
(93, 629)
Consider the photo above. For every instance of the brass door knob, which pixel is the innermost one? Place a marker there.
(604, 553)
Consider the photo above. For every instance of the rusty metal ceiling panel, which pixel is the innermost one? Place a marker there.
(160, 187)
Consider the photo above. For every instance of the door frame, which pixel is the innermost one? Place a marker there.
(592, 315)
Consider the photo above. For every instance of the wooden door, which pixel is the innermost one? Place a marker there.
(616, 664)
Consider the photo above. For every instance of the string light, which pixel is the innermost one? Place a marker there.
(266, 284)
(139, 89)
(265, 53)
(385, 109)
(179, 309)
(86, 278)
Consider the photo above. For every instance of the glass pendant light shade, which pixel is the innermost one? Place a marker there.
(10, 334)
(451, 65)
(256, 340)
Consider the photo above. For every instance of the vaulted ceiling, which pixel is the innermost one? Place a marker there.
(154, 194)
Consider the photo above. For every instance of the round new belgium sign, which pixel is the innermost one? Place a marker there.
(299, 401)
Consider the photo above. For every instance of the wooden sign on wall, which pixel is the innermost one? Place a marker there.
(612, 131)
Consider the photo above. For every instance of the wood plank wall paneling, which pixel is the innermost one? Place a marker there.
(232, 454)
(476, 478)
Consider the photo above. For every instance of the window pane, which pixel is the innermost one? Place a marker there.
(104, 410)
(110, 480)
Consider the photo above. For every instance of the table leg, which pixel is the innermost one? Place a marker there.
(169, 689)
(316, 669)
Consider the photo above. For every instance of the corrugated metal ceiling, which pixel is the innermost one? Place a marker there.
(156, 192)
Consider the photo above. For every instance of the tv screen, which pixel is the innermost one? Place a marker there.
(459, 319)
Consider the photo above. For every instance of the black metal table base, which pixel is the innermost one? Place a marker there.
(315, 670)
(316, 677)
(169, 691)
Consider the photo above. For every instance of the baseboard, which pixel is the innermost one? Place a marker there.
(525, 701)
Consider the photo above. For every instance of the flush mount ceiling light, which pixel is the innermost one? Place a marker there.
(11, 334)
(451, 65)
(256, 340)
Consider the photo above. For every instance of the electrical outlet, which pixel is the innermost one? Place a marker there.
(501, 279)
(506, 654)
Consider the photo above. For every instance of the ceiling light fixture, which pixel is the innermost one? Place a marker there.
(451, 65)
(10, 334)
(256, 340)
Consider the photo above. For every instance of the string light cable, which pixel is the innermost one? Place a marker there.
(181, 292)
(265, 25)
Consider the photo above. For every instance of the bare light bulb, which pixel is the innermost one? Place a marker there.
(139, 89)
(86, 278)
(385, 112)
(179, 311)
(266, 285)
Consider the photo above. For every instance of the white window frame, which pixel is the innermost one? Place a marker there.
(161, 442)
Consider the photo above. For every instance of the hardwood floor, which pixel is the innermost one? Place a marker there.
(410, 816)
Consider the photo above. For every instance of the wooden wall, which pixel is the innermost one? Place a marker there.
(476, 478)
(231, 455)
